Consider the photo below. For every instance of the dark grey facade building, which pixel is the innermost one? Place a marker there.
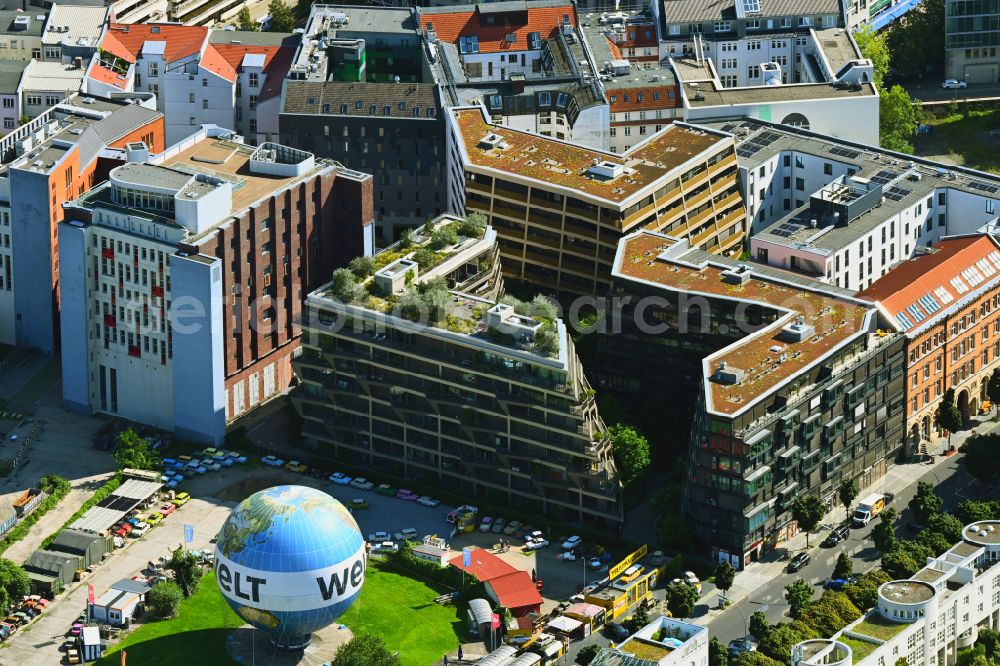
(395, 131)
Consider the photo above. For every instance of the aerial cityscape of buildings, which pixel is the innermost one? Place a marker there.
(475, 249)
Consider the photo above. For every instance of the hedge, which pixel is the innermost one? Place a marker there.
(57, 488)
(109, 487)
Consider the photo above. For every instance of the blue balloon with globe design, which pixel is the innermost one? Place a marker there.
(290, 560)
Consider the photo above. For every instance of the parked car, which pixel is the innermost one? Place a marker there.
(359, 504)
(572, 542)
(212, 452)
(953, 84)
(272, 461)
(486, 524)
(140, 529)
(454, 513)
(523, 531)
(536, 544)
(385, 547)
(839, 584)
(167, 509)
(124, 530)
(407, 534)
(617, 631)
(378, 536)
(154, 518)
(362, 483)
(836, 535)
(386, 489)
(343, 480)
(741, 646)
(213, 467)
(180, 499)
(798, 561)
(692, 579)
(498, 525)
(336, 477)
(428, 501)
(512, 527)
(296, 466)
(407, 494)
(533, 534)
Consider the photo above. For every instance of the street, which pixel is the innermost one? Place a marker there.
(931, 91)
(949, 478)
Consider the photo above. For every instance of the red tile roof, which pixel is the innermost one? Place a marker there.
(485, 566)
(638, 36)
(104, 75)
(643, 99)
(949, 273)
(492, 38)
(615, 51)
(214, 62)
(277, 61)
(182, 40)
(113, 45)
(516, 591)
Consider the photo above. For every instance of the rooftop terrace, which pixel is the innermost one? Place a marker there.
(767, 357)
(983, 533)
(907, 591)
(568, 165)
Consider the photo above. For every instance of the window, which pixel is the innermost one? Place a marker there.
(723, 26)
(753, 45)
(8, 103)
(253, 102)
(728, 63)
(613, 131)
(544, 99)
(204, 103)
(154, 69)
(52, 54)
(800, 184)
(204, 83)
(254, 79)
(33, 100)
(728, 81)
(753, 24)
(253, 125)
(191, 98)
(828, 170)
(989, 206)
(8, 123)
(753, 71)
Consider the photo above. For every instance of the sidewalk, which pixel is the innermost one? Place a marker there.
(897, 478)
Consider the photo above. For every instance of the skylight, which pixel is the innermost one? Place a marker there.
(943, 295)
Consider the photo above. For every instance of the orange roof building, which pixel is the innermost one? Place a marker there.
(499, 27)
(200, 76)
(483, 564)
(947, 303)
(515, 591)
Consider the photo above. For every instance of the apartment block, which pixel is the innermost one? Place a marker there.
(971, 40)
(799, 385)
(926, 619)
(845, 213)
(190, 268)
(51, 160)
(946, 302)
(477, 395)
(72, 32)
(775, 61)
(560, 209)
(199, 77)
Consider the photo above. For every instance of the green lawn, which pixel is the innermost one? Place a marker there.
(860, 649)
(200, 628)
(401, 610)
(969, 141)
(396, 607)
(878, 627)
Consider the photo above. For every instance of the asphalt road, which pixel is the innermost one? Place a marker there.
(953, 485)
(931, 91)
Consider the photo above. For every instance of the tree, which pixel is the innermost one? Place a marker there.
(725, 575)
(361, 266)
(874, 46)
(925, 503)
(897, 120)
(844, 567)
(631, 451)
(133, 452)
(14, 583)
(675, 532)
(906, 559)
(948, 417)
(718, 655)
(847, 492)
(782, 637)
(863, 593)
(186, 569)
(681, 599)
(245, 22)
(759, 626)
(756, 658)
(916, 41)
(365, 650)
(637, 620)
(990, 639)
(947, 526)
(993, 387)
(972, 511)
(807, 512)
(587, 654)
(282, 18)
(165, 597)
(981, 459)
(344, 286)
(799, 596)
(884, 535)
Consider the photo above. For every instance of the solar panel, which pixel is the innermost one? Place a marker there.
(845, 152)
(748, 149)
(767, 138)
(944, 295)
(896, 193)
(917, 313)
(976, 185)
(884, 176)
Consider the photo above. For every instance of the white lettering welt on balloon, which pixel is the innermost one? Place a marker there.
(280, 591)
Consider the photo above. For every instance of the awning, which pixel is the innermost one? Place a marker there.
(565, 624)
(756, 474)
(758, 436)
(787, 455)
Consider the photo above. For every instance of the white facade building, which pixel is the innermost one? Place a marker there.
(845, 213)
(662, 642)
(939, 610)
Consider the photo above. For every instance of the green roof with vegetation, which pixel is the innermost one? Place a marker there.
(859, 648)
(878, 627)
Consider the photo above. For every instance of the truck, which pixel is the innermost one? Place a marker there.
(868, 508)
